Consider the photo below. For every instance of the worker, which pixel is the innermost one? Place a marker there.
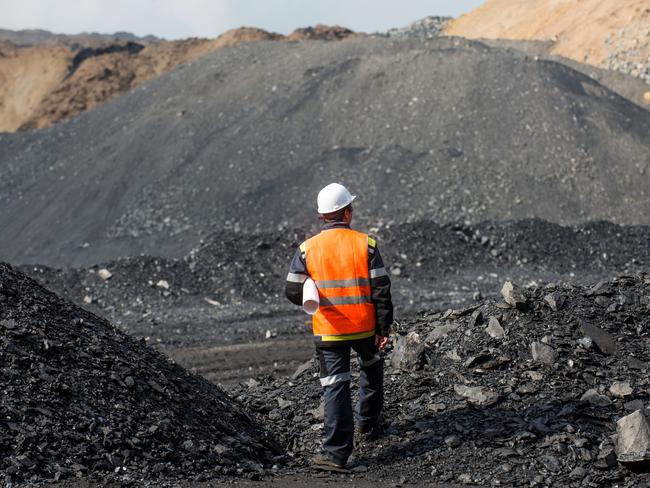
(355, 312)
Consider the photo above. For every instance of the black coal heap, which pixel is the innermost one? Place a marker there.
(81, 397)
(526, 393)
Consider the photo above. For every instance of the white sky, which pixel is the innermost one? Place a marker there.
(208, 18)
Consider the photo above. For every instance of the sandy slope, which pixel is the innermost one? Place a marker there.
(27, 75)
(598, 32)
(100, 78)
(40, 85)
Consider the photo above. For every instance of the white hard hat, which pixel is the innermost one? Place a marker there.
(334, 197)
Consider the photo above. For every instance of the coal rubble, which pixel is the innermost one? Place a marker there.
(525, 387)
(80, 398)
(492, 409)
(426, 28)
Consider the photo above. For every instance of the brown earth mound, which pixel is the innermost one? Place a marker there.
(612, 34)
(27, 76)
(44, 84)
(321, 33)
(100, 78)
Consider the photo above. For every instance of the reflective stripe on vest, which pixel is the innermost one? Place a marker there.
(337, 261)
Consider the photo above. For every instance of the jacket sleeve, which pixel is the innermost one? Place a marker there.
(380, 289)
(297, 276)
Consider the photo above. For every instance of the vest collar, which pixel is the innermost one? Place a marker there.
(335, 225)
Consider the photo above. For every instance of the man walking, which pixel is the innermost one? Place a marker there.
(355, 312)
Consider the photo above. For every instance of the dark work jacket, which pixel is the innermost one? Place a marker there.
(379, 284)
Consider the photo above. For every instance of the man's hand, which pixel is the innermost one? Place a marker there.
(381, 342)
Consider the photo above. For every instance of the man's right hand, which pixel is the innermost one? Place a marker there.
(381, 342)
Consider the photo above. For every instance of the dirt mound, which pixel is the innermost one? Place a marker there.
(60, 85)
(103, 77)
(81, 397)
(321, 33)
(535, 403)
(442, 127)
(63, 82)
(610, 34)
(27, 76)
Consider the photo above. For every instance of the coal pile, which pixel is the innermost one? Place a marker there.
(81, 398)
(236, 277)
(521, 391)
(444, 129)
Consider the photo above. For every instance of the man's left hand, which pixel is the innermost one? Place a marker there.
(381, 342)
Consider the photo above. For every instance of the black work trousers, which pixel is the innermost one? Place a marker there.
(335, 379)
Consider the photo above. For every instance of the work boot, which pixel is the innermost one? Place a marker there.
(369, 432)
(322, 461)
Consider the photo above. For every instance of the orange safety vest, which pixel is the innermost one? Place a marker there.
(337, 261)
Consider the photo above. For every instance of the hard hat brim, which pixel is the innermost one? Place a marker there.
(323, 211)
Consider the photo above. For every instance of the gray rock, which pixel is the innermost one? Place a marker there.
(319, 412)
(104, 274)
(603, 340)
(513, 295)
(528, 389)
(581, 442)
(465, 478)
(8, 323)
(476, 318)
(600, 288)
(634, 405)
(477, 395)
(284, 404)
(552, 463)
(494, 329)
(578, 473)
(452, 441)
(621, 389)
(594, 398)
(543, 353)
(633, 443)
(302, 369)
(440, 332)
(607, 458)
(461, 312)
(535, 375)
(554, 300)
(585, 342)
(634, 363)
(163, 284)
(436, 407)
(602, 300)
(408, 354)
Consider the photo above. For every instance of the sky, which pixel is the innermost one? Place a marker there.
(174, 19)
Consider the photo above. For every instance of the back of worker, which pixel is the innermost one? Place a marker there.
(337, 261)
(355, 312)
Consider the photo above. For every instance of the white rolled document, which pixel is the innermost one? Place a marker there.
(310, 300)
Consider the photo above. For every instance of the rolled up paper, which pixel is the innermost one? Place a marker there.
(310, 299)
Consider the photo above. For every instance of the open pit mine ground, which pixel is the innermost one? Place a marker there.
(144, 335)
